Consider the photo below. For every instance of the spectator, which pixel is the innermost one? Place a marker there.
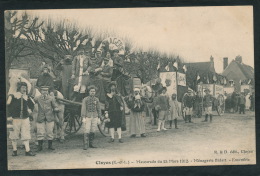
(242, 102)
(188, 100)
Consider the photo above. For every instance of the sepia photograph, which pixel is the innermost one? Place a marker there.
(130, 87)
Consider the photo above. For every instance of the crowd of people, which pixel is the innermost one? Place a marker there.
(87, 71)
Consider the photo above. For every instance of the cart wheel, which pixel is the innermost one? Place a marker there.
(102, 127)
(74, 123)
(221, 105)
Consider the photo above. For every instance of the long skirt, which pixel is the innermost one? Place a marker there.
(137, 123)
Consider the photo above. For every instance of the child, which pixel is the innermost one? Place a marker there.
(91, 114)
(207, 104)
(174, 111)
(188, 100)
(45, 119)
(162, 105)
(18, 104)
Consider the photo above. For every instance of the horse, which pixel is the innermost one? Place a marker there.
(34, 92)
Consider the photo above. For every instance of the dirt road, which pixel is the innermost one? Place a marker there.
(197, 143)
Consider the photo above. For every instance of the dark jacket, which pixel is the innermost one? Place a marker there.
(45, 80)
(14, 108)
(110, 109)
(188, 101)
(131, 104)
(242, 100)
(208, 100)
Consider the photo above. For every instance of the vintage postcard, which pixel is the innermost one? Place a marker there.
(130, 87)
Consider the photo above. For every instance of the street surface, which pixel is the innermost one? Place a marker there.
(195, 142)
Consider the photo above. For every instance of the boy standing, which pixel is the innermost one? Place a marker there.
(18, 104)
(45, 118)
(207, 104)
(188, 100)
(242, 102)
(174, 111)
(90, 113)
(162, 105)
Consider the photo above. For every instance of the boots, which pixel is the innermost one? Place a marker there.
(40, 145)
(91, 138)
(206, 118)
(170, 124)
(186, 118)
(159, 125)
(189, 117)
(50, 147)
(175, 123)
(163, 125)
(85, 141)
(210, 116)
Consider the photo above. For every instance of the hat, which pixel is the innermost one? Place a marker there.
(106, 59)
(190, 90)
(138, 97)
(116, 51)
(112, 83)
(20, 84)
(136, 89)
(68, 57)
(45, 87)
(207, 90)
(92, 87)
(46, 66)
(163, 88)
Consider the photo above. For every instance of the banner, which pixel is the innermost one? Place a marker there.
(229, 90)
(245, 88)
(202, 87)
(168, 80)
(113, 43)
(181, 79)
(219, 90)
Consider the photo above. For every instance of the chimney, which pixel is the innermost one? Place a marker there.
(211, 59)
(225, 62)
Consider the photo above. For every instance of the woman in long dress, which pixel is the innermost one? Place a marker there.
(137, 120)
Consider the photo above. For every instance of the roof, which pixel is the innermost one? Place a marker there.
(202, 66)
(247, 70)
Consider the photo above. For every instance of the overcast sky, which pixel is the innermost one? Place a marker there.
(194, 33)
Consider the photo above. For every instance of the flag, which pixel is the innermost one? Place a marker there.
(198, 77)
(225, 81)
(158, 66)
(184, 68)
(175, 64)
(249, 82)
(167, 68)
(214, 78)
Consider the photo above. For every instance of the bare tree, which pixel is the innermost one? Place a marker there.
(55, 40)
(15, 31)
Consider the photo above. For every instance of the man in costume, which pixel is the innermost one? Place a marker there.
(18, 104)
